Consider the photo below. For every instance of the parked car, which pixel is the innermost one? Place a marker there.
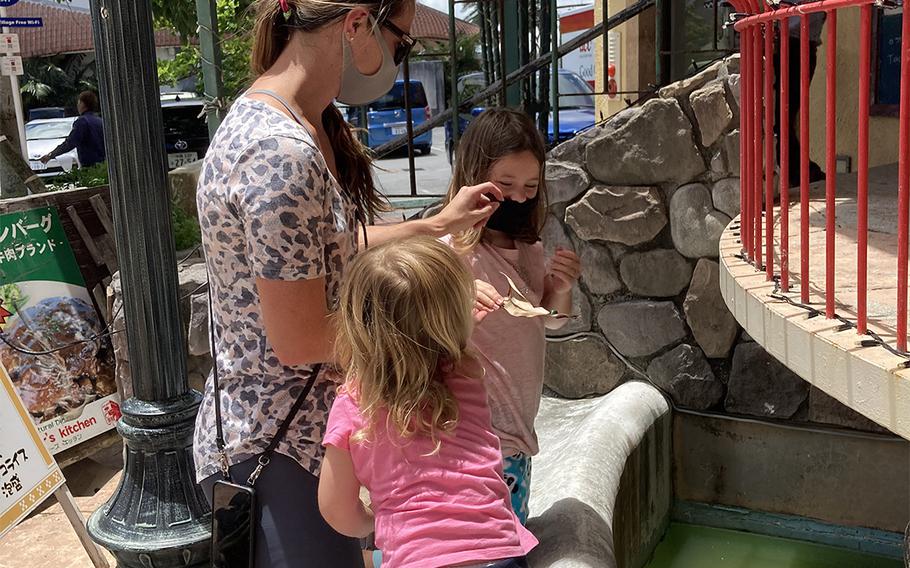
(186, 133)
(576, 111)
(46, 112)
(386, 117)
(42, 136)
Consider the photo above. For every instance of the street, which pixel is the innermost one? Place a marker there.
(433, 172)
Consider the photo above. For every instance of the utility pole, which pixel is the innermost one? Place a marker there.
(158, 516)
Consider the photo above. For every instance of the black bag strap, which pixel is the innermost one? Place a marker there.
(266, 455)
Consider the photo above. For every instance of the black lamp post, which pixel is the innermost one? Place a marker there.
(158, 517)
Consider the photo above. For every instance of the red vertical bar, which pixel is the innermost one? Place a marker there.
(784, 143)
(769, 150)
(742, 130)
(757, 145)
(903, 200)
(862, 176)
(830, 160)
(804, 157)
(745, 146)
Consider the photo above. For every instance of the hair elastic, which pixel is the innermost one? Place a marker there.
(285, 8)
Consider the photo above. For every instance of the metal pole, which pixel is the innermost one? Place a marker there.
(409, 121)
(524, 51)
(500, 7)
(210, 46)
(662, 43)
(453, 70)
(158, 516)
(485, 40)
(554, 68)
(543, 118)
(17, 102)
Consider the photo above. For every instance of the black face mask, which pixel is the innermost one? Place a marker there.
(513, 218)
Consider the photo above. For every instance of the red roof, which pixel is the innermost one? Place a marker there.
(66, 29)
(430, 23)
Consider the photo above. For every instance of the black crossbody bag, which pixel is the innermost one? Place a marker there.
(234, 517)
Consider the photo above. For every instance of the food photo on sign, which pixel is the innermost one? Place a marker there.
(53, 342)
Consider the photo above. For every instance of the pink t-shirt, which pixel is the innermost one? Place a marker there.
(512, 350)
(437, 510)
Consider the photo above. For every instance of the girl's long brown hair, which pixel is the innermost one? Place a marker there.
(404, 322)
(271, 34)
(497, 133)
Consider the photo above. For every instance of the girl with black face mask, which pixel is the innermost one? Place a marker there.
(503, 146)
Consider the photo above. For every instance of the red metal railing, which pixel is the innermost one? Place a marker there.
(760, 24)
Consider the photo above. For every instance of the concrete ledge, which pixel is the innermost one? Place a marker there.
(601, 485)
(870, 380)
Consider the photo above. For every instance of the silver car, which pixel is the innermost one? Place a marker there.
(43, 136)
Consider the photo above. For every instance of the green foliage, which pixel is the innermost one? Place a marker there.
(187, 233)
(57, 80)
(235, 22)
(92, 176)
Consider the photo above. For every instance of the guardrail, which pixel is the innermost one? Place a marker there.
(757, 22)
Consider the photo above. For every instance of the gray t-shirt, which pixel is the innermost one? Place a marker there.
(269, 208)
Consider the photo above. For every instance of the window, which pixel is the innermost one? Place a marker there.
(887, 62)
(394, 99)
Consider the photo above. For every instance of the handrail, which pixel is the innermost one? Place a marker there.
(757, 24)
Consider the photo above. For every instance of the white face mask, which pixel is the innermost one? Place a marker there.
(357, 88)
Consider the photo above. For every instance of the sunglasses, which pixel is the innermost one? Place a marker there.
(405, 42)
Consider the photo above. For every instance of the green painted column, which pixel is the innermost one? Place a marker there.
(510, 29)
(210, 48)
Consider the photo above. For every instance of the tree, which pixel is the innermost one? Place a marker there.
(57, 80)
(235, 20)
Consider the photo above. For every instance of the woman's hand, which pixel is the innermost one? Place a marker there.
(486, 301)
(565, 269)
(470, 208)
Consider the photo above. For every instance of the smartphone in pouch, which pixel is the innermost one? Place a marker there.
(233, 526)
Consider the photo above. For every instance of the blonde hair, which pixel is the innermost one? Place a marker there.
(405, 319)
(271, 35)
(495, 134)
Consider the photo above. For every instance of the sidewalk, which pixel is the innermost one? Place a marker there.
(46, 539)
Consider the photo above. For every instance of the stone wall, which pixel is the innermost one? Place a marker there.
(643, 200)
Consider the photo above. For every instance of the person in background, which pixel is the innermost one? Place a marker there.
(816, 24)
(87, 135)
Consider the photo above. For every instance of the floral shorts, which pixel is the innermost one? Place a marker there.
(517, 473)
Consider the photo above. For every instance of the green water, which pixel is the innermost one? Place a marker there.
(691, 546)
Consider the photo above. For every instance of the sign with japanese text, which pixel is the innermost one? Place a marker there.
(11, 65)
(28, 473)
(9, 43)
(59, 358)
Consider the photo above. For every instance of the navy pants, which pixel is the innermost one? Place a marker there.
(291, 532)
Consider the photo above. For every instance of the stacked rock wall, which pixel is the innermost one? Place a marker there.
(643, 200)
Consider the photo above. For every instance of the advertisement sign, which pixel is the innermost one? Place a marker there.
(59, 358)
(28, 473)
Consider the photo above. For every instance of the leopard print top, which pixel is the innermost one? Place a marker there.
(269, 208)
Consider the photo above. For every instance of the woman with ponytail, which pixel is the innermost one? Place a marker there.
(283, 196)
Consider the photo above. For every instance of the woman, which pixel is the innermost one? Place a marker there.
(284, 191)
